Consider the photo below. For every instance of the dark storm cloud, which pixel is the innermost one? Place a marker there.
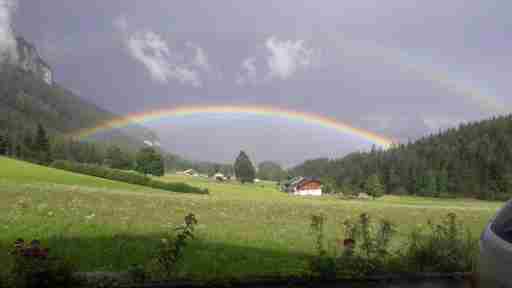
(401, 68)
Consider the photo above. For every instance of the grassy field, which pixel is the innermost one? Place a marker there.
(20, 172)
(243, 229)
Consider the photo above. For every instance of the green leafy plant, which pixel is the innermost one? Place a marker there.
(34, 267)
(366, 248)
(171, 251)
(321, 264)
(137, 273)
(442, 247)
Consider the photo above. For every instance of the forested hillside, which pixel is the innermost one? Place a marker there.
(473, 160)
(26, 100)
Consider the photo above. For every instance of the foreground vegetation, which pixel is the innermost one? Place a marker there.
(243, 230)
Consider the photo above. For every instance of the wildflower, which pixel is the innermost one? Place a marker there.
(19, 246)
(349, 243)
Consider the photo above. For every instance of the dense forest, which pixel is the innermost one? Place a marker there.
(472, 160)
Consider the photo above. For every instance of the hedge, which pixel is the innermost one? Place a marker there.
(125, 176)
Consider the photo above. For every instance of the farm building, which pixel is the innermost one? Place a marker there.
(303, 186)
(219, 177)
(189, 172)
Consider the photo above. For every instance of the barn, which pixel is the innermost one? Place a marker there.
(303, 186)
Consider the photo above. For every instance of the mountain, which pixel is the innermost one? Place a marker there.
(29, 95)
(30, 61)
(472, 160)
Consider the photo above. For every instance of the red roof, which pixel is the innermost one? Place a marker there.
(305, 182)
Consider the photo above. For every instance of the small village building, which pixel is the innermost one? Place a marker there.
(219, 177)
(188, 172)
(303, 186)
(363, 196)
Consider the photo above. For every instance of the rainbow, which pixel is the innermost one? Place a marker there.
(423, 67)
(145, 117)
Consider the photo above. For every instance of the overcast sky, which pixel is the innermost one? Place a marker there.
(399, 68)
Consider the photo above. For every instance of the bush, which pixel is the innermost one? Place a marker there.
(321, 264)
(444, 247)
(366, 247)
(137, 273)
(125, 176)
(171, 251)
(34, 267)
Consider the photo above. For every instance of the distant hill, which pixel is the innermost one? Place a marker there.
(473, 160)
(29, 95)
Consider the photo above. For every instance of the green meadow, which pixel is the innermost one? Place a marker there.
(243, 230)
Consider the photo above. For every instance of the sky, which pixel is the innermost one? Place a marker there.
(402, 69)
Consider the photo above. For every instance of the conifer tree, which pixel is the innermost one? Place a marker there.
(244, 170)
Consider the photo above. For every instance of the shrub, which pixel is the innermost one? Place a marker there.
(125, 176)
(443, 247)
(34, 267)
(171, 251)
(366, 247)
(137, 273)
(321, 264)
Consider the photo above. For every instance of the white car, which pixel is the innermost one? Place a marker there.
(496, 251)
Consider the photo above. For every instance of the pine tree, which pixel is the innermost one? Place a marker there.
(374, 187)
(26, 150)
(3, 144)
(149, 161)
(42, 145)
(116, 159)
(442, 182)
(18, 151)
(244, 170)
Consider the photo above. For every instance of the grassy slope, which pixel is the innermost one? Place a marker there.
(243, 229)
(21, 172)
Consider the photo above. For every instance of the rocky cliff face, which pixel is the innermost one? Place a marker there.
(29, 60)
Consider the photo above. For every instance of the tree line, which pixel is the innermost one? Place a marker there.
(472, 160)
(39, 147)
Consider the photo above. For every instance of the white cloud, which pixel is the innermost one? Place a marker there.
(287, 57)
(200, 59)
(152, 51)
(248, 71)
(249, 66)
(283, 59)
(163, 63)
(8, 45)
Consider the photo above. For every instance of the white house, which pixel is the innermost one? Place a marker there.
(219, 177)
(189, 172)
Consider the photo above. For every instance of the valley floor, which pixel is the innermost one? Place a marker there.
(243, 230)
